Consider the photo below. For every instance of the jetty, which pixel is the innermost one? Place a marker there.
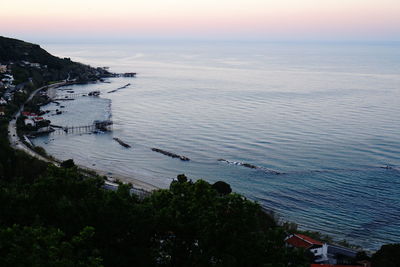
(169, 154)
(126, 75)
(122, 143)
(42, 131)
(123, 87)
(72, 95)
(251, 166)
(96, 127)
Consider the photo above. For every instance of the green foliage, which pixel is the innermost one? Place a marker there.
(222, 187)
(38, 246)
(188, 225)
(56, 68)
(181, 178)
(54, 216)
(40, 150)
(69, 163)
(387, 256)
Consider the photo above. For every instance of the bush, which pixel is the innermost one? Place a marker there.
(67, 164)
(222, 188)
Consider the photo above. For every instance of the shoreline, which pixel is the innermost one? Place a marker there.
(111, 177)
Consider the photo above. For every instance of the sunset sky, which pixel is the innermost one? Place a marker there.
(241, 19)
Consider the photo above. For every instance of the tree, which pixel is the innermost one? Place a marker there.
(69, 163)
(222, 188)
(387, 256)
(38, 246)
(182, 178)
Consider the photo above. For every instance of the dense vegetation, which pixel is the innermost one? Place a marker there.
(54, 216)
(58, 217)
(52, 68)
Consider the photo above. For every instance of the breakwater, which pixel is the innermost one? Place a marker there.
(170, 154)
(120, 88)
(251, 166)
(122, 143)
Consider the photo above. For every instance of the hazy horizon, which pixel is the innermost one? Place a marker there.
(285, 20)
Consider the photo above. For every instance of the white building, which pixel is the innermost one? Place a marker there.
(8, 79)
(29, 122)
(3, 68)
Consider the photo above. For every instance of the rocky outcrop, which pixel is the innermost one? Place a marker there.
(169, 154)
(251, 166)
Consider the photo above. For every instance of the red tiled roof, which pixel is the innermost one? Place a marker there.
(302, 241)
(309, 239)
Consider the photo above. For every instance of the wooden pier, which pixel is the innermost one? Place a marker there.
(71, 96)
(97, 126)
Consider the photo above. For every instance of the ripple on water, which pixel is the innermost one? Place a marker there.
(327, 120)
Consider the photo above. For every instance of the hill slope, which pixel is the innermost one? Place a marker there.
(52, 67)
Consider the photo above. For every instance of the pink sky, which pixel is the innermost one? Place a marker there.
(261, 19)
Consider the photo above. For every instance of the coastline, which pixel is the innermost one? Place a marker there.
(112, 178)
(139, 185)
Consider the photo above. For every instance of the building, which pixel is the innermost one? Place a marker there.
(29, 115)
(38, 119)
(324, 254)
(3, 68)
(3, 102)
(319, 249)
(35, 65)
(8, 79)
(29, 122)
(341, 255)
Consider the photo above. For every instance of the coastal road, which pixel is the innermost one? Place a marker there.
(141, 188)
(14, 139)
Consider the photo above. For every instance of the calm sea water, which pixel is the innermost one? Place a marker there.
(326, 116)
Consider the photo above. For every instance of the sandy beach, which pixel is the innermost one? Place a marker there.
(113, 177)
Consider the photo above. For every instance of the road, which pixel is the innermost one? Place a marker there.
(141, 188)
(15, 141)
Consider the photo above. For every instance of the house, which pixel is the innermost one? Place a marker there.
(323, 253)
(30, 115)
(302, 241)
(319, 249)
(3, 68)
(35, 65)
(38, 119)
(341, 255)
(8, 79)
(29, 122)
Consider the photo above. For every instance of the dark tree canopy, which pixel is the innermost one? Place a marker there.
(69, 163)
(222, 187)
(387, 256)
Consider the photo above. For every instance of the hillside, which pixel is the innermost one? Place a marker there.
(50, 67)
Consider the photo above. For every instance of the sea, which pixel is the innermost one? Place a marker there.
(319, 123)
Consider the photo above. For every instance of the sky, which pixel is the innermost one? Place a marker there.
(333, 20)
